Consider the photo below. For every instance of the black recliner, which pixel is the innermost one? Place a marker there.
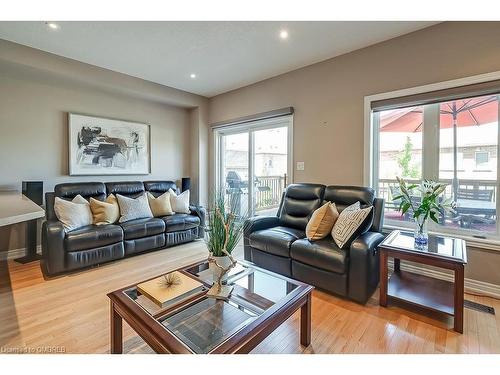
(91, 245)
(279, 243)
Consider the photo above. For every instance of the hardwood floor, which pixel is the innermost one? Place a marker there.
(72, 313)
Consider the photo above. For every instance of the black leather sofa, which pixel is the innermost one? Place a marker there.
(91, 245)
(279, 243)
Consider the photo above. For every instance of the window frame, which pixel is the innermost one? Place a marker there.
(251, 127)
(431, 136)
(477, 152)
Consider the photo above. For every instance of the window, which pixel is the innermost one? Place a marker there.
(253, 164)
(453, 141)
(482, 159)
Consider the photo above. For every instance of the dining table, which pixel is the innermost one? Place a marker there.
(476, 207)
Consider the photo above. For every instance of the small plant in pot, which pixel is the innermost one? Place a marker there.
(222, 234)
(424, 201)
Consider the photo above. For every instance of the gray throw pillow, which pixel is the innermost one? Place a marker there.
(131, 208)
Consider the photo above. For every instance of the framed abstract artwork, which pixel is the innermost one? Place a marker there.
(104, 146)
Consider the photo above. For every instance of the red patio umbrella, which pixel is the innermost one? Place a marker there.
(453, 114)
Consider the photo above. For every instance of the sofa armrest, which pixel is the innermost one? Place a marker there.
(201, 212)
(364, 266)
(256, 223)
(53, 235)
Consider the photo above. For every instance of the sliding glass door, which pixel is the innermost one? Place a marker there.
(253, 164)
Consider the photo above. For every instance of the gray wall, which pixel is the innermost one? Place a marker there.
(37, 90)
(34, 131)
(328, 101)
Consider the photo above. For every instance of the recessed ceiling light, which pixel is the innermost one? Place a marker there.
(283, 34)
(52, 25)
(192, 75)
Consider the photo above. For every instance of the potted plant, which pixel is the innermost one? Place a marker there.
(431, 205)
(224, 231)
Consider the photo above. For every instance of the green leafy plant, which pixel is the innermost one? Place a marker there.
(224, 228)
(404, 161)
(430, 205)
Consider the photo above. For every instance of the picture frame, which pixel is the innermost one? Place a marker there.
(102, 146)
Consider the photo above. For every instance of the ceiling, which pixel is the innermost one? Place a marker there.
(223, 55)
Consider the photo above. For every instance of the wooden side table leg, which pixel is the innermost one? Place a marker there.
(116, 331)
(397, 265)
(383, 278)
(459, 299)
(305, 322)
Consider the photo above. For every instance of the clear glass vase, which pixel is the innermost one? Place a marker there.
(421, 235)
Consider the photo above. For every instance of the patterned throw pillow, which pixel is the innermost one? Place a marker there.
(347, 224)
(131, 208)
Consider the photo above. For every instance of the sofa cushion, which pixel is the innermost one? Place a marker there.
(299, 203)
(276, 240)
(145, 227)
(131, 189)
(70, 190)
(324, 254)
(157, 188)
(345, 196)
(92, 236)
(179, 222)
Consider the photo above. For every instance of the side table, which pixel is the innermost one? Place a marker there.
(433, 294)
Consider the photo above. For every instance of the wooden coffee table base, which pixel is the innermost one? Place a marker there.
(243, 345)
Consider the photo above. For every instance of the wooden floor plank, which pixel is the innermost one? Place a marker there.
(72, 312)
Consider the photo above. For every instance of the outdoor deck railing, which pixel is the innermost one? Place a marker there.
(268, 191)
(387, 186)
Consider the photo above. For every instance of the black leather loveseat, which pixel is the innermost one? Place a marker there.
(91, 245)
(279, 243)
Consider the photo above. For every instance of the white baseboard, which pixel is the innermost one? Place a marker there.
(16, 253)
(470, 285)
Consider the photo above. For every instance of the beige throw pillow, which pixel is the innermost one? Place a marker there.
(348, 223)
(107, 212)
(73, 214)
(321, 222)
(160, 206)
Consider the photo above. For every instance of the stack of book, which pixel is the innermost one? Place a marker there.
(166, 291)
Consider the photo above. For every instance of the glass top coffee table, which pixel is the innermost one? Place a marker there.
(194, 323)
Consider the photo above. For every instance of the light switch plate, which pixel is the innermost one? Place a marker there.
(300, 166)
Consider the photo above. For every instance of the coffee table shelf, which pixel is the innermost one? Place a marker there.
(423, 291)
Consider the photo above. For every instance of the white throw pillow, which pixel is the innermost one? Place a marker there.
(348, 222)
(180, 203)
(131, 208)
(73, 214)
